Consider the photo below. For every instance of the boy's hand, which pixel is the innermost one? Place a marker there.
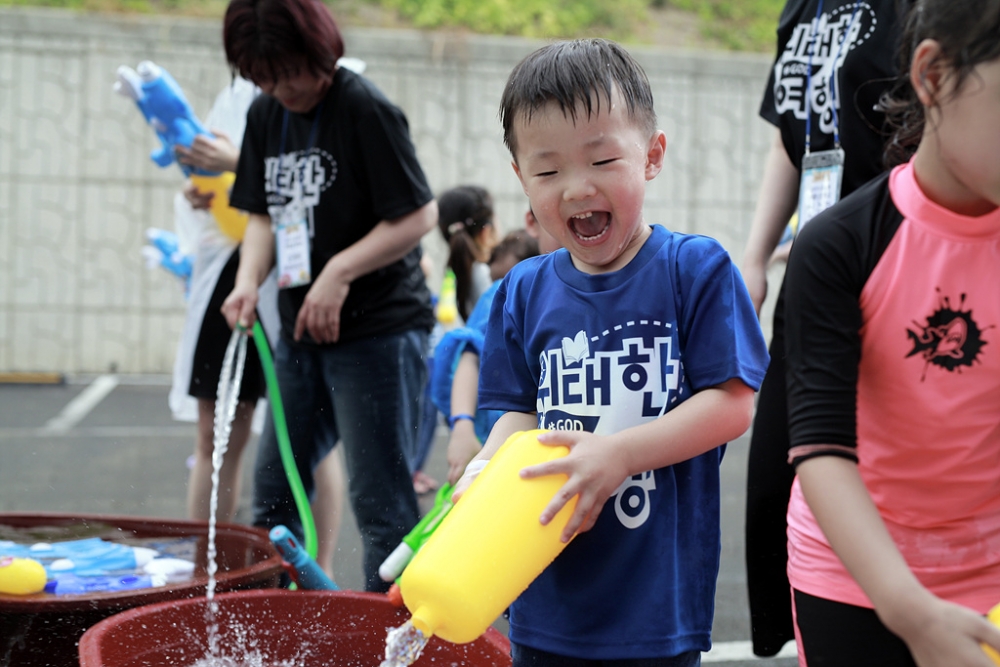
(595, 470)
(471, 473)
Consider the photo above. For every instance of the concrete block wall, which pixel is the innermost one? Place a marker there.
(77, 188)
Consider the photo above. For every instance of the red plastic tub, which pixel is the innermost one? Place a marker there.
(44, 630)
(276, 627)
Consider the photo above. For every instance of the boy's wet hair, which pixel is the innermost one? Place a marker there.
(969, 34)
(582, 72)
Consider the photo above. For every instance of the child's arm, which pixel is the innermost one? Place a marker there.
(463, 444)
(937, 632)
(597, 465)
(508, 424)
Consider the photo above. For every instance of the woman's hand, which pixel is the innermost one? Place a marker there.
(240, 307)
(462, 446)
(320, 312)
(217, 153)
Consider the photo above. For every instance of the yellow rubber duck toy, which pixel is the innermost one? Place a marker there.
(21, 576)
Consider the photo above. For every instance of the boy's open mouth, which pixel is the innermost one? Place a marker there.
(591, 225)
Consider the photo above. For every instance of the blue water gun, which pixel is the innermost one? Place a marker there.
(162, 102)
(164, 250)
(306, 573)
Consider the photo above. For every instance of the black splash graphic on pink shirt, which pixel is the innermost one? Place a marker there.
(951, 339)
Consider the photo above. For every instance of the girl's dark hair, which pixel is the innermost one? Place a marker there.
(269, 39)
(585, 72)
(969, 34)
(463, 211)
(518, 244)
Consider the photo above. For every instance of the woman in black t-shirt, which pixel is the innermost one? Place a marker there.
(337, 197)
(844, 52)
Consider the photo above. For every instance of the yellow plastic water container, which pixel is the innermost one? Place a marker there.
(232, 222)
(490, 547)
(994, 616)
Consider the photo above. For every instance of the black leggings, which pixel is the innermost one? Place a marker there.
(834, 634)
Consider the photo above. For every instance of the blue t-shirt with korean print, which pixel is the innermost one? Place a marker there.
(602, 353)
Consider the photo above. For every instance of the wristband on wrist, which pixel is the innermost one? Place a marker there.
(475, 467)
(456, 418)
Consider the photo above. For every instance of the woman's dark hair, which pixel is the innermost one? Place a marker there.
(269, 39)
(969, 34)
(463, 212)
(585, 72)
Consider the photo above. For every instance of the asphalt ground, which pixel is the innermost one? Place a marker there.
(108, 445)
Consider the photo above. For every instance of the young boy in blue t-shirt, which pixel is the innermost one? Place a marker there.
(639, 347)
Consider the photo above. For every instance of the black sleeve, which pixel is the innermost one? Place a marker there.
(248, 190)
(830, 263)
(397, 181)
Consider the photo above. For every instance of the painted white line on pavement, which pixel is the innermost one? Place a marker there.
(742, 652)
(120, 432)
(81, 406)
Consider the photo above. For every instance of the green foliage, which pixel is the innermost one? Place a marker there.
(205, 8)
(737, 24)
(733, 24)
(529, 18)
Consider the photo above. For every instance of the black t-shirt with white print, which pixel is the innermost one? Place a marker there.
(359, 169)
(864, 68)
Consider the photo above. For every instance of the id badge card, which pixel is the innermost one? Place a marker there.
(819, 188)
(292, 238)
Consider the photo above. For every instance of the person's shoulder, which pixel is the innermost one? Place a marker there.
(525, 273)
(523, 276)
(851, 216)
(851, 234)
(683, 246)
(358, 92)
(791, 12)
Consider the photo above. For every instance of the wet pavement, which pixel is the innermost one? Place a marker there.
(108, 445)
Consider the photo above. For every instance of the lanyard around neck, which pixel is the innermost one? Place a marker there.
(312, 131)
(833, 75)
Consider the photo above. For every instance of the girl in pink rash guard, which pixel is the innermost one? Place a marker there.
(893, 374)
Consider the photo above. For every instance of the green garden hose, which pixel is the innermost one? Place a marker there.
(284, 443)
